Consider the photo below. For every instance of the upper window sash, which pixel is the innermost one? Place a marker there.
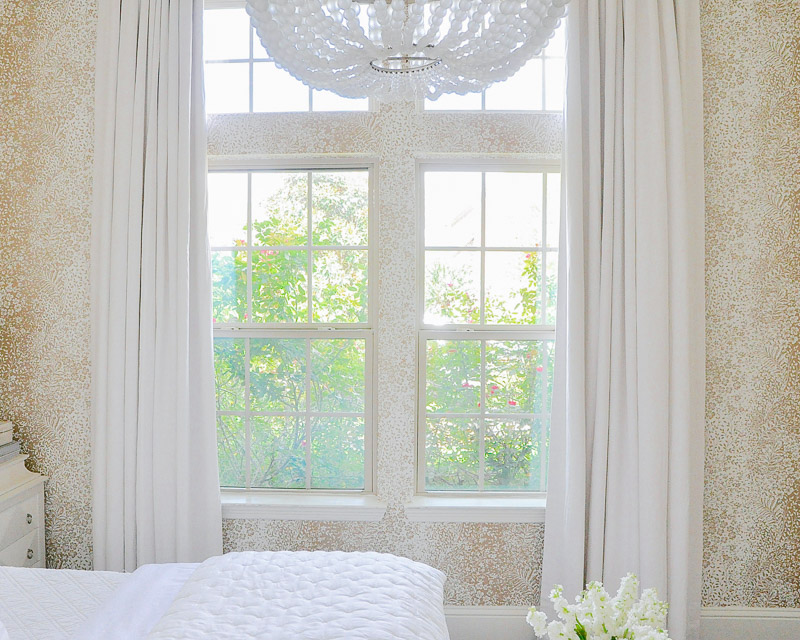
(318, 165)
(475, 251)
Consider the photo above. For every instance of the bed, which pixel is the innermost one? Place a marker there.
(313, 595)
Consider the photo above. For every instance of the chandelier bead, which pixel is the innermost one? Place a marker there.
(407, 49)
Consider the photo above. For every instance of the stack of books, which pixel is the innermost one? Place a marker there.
(12, 464)
(6, 433)
(9, 448)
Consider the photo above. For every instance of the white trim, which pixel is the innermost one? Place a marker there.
(472, 508)
(716, 623)
(488, 623)
(748, 623)
(301, 505)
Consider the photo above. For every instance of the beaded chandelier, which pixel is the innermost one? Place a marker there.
(404, 49)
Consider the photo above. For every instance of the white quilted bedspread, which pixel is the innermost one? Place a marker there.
(313, 595)
(45, 604)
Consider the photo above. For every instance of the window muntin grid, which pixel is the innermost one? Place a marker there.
(305, 253)
(283, 419)
(486, 403)
(241, 77)
(530, 238)
(293, 436)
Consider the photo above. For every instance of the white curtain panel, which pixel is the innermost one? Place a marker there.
(626, 456)
(156, 488)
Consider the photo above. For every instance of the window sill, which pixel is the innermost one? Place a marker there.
(313, 506)
(434, 508)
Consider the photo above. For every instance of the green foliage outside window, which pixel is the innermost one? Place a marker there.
(516, 378)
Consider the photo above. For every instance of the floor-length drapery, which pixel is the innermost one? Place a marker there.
(625, 475)
(155, 484)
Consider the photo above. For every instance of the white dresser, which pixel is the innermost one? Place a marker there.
(21, 515)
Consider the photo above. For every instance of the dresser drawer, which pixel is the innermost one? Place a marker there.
(19, 520)
(22, 553)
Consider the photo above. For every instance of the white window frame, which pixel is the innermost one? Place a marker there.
(421, 509)
(352, 504)
(210, 5)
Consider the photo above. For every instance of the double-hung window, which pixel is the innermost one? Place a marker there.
(488, 259)
(291, 256)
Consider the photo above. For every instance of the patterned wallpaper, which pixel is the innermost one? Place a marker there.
(46, 107)
(752, 83)
(752, 482)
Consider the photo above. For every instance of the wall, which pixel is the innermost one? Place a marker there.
(752, 535)
(46, 110)
(751, 56)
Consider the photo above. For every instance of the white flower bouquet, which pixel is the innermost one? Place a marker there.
(597, 616)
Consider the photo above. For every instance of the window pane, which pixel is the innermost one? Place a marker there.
(226, 34)
(542, 382)
(278, 452)
(280, 287)
(453, 376)
(338, 375)
(521, 92)
(340, 207)
(259, 52)
(511, 370)
(227, 87)
(337, 453)
(451, 454)
(552, 287)
(227, 209)
(455, 102)
(512, 287)
(555, 71)
(452, 287)
(329, 101)
(231, 451)
(229, 277)
(340, 286)
(557, 46)
(553, 208)
(512, 455)
(514, 209)
(280, 208)
(452, 208)
(278, 375)
(276, 90)
(229, 367)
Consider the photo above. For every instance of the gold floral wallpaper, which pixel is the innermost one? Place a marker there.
(46, 107)
(752, 496)
(751, 67)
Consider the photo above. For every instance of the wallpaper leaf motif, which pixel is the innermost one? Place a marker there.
(752, 494)
(47, 102)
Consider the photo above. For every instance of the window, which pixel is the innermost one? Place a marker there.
(297, 211)
(489, 255)
(290, 255)
(240, 76)
(537, 86)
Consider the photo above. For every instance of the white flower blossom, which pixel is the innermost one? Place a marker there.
(597, 616)
(538, 620)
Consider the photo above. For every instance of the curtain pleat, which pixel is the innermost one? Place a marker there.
(155, 485)
(625, 475)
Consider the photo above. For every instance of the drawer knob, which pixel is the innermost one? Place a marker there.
(29, 518)
(30, 554)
